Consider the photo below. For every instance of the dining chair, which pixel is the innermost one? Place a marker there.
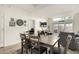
(64, 41)
(31, 31)
(25, 43)
(39, 49)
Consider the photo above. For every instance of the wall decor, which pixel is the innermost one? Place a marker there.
(25, 22)
(43, 24)
(12, 22)
(19, 22)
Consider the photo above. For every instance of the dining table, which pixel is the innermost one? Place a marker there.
(46, 40)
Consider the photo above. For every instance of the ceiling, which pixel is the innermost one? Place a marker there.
(57, 10)
(28, 7)
(47, 10)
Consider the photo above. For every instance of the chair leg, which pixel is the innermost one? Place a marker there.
(59, 47)
(27, 51)
(46, 51)
(21, 47)
(21, 50)
(31, 50)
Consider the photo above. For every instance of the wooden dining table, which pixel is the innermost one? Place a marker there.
(48, 40)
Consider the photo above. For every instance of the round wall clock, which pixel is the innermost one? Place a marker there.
(19, 22)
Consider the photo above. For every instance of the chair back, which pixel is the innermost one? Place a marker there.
(23, 38)
(65, 40)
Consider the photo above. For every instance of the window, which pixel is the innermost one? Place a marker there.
(62, 24)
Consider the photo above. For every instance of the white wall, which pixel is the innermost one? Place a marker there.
(76, 22)
(11, 34)
(31, 23)
(50, 24)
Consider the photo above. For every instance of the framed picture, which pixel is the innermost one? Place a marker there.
(43, 24)
(12, 22)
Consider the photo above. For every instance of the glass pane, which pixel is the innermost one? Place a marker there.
(69, 28)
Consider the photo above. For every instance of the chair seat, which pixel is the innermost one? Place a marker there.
(28, 46)
(42, 49)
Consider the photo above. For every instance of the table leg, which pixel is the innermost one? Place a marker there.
(22, 50)
(51, 50)
(59, 47)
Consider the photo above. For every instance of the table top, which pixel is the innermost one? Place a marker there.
(49, 40)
